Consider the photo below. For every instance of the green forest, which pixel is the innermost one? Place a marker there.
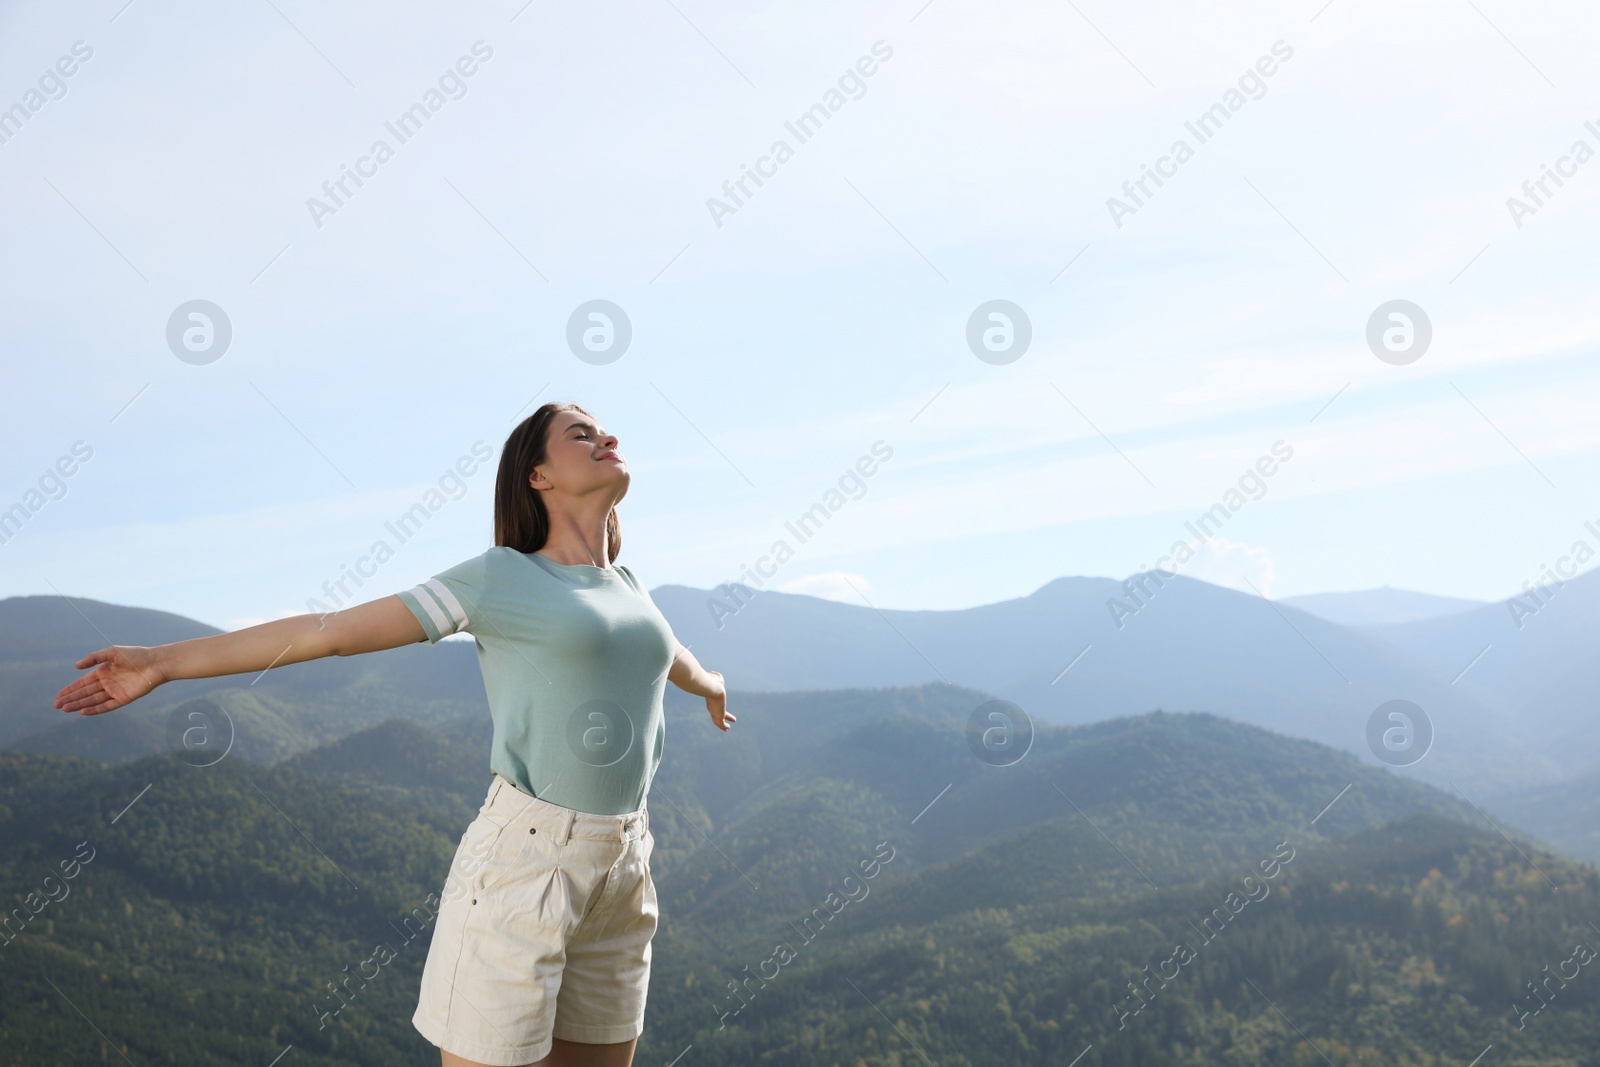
(1165, 889)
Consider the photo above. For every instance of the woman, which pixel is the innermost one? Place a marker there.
(541, 950)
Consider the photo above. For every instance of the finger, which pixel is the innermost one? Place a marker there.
(110, 701)
(80, 682)
(88, 697)
(88, 705)
(96, 657)
(92, 701)
(79, 686)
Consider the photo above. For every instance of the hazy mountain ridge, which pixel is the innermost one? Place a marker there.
(1188, 646)
(278, 713)
(1375, 607)
(1533, 655)
(1490, 740)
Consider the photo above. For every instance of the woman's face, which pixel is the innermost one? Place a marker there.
(581, 458)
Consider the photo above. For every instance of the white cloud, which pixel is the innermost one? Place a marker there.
(1233, 565)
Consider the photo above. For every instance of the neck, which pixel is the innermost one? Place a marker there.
(578, 534)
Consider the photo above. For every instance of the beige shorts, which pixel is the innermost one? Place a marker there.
(543, 931)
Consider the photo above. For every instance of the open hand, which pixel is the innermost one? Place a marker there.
(717, 702)
(121, 675)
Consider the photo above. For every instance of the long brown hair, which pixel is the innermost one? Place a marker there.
(520, 519)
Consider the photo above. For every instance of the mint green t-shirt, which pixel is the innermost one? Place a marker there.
(574, 661)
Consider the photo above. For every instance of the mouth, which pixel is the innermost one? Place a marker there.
(610, 453)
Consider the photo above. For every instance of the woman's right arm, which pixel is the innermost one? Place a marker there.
(123, 673)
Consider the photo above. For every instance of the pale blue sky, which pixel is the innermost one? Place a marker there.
(770, 352)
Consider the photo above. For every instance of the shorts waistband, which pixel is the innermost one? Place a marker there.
(510, 804)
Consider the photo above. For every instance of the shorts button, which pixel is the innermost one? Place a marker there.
(533, 829)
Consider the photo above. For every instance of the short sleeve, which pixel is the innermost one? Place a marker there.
(451, 601)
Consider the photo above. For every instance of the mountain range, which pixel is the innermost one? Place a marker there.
(1014, 914)
(1507, 691)
(1509, 706)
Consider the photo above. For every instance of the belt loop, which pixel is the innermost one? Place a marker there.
(565, 833)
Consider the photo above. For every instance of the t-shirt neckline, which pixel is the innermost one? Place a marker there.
(574, 568)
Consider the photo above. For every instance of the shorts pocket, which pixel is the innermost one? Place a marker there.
(514, 851)
(477, 859)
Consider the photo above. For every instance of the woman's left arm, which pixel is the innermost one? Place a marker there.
(687, 674)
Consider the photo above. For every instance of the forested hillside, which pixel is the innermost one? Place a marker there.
(1006, 910)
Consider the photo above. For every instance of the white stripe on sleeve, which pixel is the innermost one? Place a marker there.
(448, 599)
(441, 622)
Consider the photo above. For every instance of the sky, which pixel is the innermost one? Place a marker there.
(958, 154)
